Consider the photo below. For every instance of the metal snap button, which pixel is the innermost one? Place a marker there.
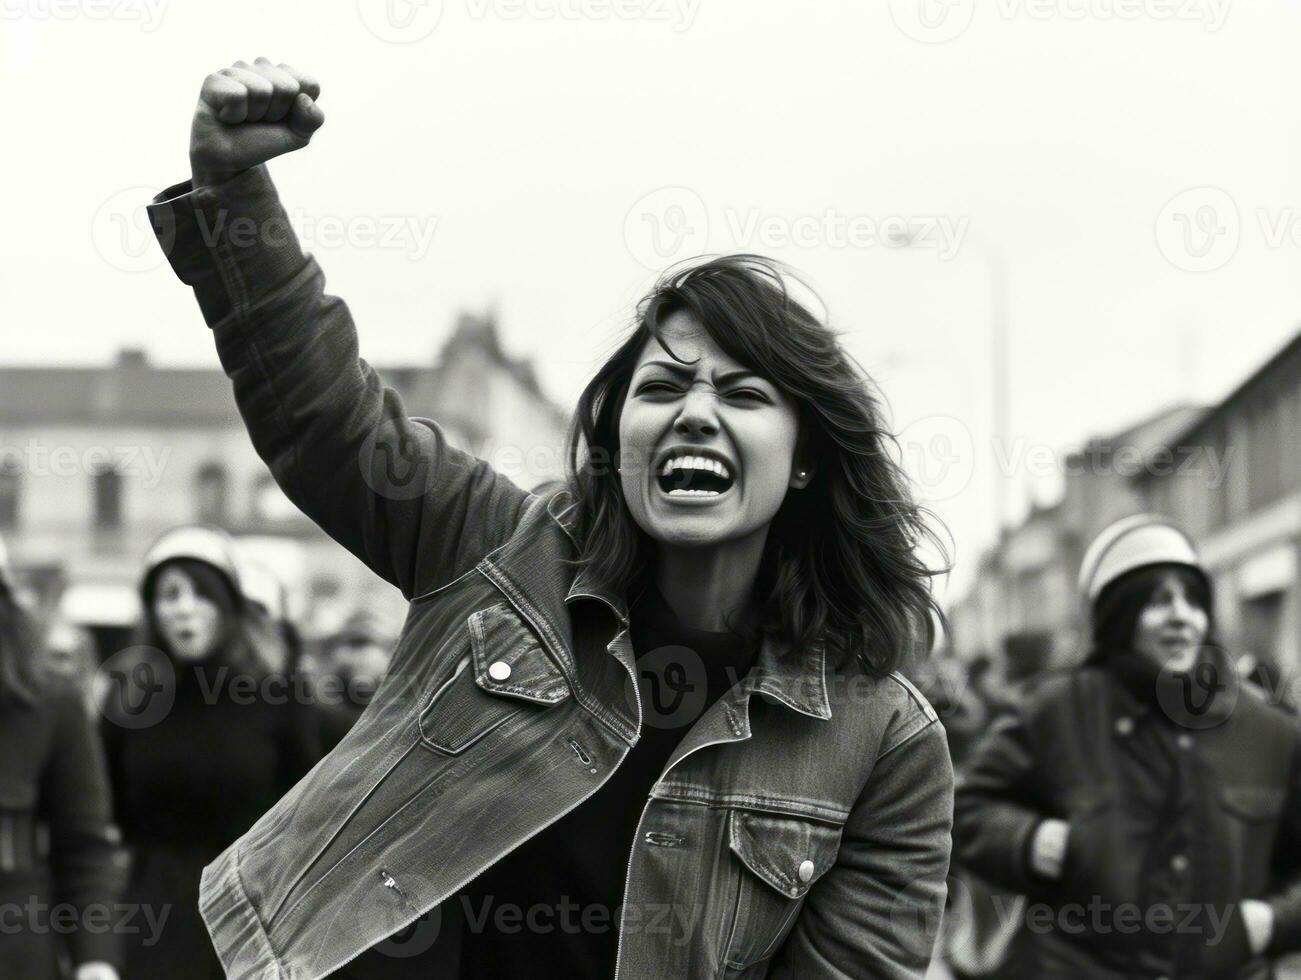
(1179, 863)
(1185, 741)
(1124, 725)
(499, 670)
(806, 870)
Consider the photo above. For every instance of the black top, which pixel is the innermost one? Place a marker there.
(221, 752)
(569, 879)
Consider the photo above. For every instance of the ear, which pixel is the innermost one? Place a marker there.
(803, 467)
(801, 474)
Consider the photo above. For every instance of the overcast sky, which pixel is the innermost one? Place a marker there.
(1136, 162)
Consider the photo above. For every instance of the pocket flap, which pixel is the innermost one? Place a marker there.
(1252, 802)
(510, 660)
(776, 848)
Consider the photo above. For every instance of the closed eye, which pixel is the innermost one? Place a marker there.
(655, 384)
(651, 386)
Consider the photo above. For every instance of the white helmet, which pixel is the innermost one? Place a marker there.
(1130, 543)
(200, 542)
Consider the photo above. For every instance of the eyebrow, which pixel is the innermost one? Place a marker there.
(678, 369)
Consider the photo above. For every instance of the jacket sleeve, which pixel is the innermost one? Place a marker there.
(390, 489)
(876, 912)
(994, 818)
(1286, 901)
(88, 863)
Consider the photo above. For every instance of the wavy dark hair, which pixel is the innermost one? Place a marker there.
(22, 674)
(841, 560)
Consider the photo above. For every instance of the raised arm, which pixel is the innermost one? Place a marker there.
(389, 488)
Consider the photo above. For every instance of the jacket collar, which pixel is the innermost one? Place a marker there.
(1202, 697)
(797, 681)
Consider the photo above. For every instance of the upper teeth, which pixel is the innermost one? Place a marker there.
(694, 463)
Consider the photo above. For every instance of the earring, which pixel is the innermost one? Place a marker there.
(800, 474)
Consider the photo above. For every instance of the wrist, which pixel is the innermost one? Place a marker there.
(1048, 848)
(1258, 919)
(201, 176)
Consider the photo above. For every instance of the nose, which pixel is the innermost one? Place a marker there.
(1183, 609)
(698, 413)
(182, 605)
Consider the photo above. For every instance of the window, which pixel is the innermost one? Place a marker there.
(10, 487)
(211, 487)
(269, 504)
(108, 497)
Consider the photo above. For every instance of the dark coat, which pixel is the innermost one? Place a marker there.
(1181, 804)
(52, 773)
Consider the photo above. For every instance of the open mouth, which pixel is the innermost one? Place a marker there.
(686, 477)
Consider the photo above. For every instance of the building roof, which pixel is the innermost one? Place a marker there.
(125, 394)
(1287, 360)
(1148, 434)
(132, 392)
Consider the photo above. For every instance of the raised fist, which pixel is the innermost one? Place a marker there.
(248, 114)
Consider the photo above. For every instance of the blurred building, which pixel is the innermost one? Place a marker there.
(96, 462)
(1023, 609)
(1242, 503)
(1230, 474)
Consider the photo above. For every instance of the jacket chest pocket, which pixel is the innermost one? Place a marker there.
(778, 859)
(1255, 805)
(505, 674)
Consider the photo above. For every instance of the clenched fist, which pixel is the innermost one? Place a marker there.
(248, 114)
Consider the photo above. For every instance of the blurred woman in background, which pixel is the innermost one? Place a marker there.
(53, 774)
(204, 736)
(1148, 804)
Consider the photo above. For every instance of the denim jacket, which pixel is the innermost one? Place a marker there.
(801, 828)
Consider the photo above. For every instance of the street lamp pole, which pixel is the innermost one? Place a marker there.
(1000, 371)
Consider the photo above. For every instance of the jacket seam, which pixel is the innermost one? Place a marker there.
(504, 583)
(796, 809)
(238, 875)
(390, 760)
(400, 750)
(925, 726)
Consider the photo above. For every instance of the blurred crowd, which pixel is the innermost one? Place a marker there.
(127, 774)
(1136, 814)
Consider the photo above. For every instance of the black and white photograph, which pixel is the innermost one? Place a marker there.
(651, 490)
